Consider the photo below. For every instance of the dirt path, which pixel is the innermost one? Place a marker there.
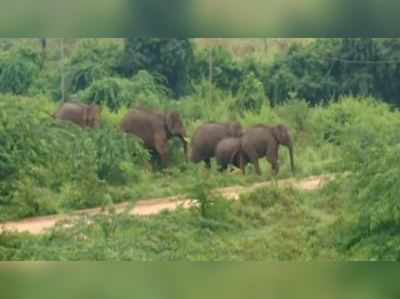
(39, 225)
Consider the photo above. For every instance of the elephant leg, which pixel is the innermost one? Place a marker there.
(274, 165)
(164, 157)
(242, 164)
(242, 161)
(275, 168)
(253, 158)
(272, 157)
(208, 162)
(257, 166)
(154, 159)
(162, 151)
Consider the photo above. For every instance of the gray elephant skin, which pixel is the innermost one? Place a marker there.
(206, 138)
(80, 114)
(228, 152)
(264, 141)
(155, 129)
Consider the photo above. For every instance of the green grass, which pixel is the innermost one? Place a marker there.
(349, 219)
(73, 187)
(269, 224)
(49, 168)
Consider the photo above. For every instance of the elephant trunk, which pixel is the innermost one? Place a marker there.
(290, 147)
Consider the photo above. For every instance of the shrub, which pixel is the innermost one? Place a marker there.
(171, 58)
(338, 120)
(118, 157)
(116, 93)
(251, 95)
(266, 115)
(226, 71)
(200, 106)
(91, 61)
(296, 113)
(59, 158)
(372, 218)
(47, 84)
(214, 209)
(18, 69)
(113, 119)
(323, 69)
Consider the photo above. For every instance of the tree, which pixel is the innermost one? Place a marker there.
(329, 68)
(171, 58)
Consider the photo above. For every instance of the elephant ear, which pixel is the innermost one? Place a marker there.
(281, 134)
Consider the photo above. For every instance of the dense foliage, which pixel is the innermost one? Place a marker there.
(117, 92)
(91, 61)
(329, 68)
(18, 69)
(49, 167)
(170, 58)
(316, 71)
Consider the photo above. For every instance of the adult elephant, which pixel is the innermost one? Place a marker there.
(206, 138)
(155, 129)
(264, 141)
(80, 114)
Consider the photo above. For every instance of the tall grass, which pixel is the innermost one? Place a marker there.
(51, 167)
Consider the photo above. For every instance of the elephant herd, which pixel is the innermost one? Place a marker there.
(229, 143)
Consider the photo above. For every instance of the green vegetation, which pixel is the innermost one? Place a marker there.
(268, 225)
(49, 167)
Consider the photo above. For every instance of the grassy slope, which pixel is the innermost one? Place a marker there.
(268, 225)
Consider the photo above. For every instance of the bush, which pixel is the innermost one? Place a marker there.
(18, 69)
(118, 157)
(372, 218)
(323, 70)
(296, 113)
(251, 95)
(266, 115)
(213, 209)
(91, 61)
(199, 108)
(170, 58)
(116, 93)
(339, 122)
(46, 84)
(59, 159)
(30, 199)
(226, 71)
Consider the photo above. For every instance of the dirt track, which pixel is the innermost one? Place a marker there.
(150, 207)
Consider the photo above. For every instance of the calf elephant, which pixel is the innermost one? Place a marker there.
(206, 138)
(155, 129)
(228, 152)
(263, 141)
(80, 114)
